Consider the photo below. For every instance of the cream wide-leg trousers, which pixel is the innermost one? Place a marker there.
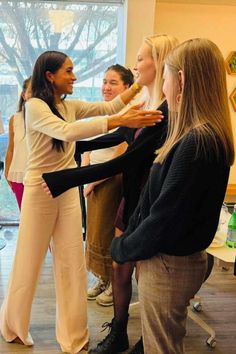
(43, 218)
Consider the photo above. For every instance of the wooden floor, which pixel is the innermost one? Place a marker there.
(218, 299)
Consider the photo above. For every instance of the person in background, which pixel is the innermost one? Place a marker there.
(177, 215)
(53, 124)
(1, 132)
(135, 165)
(2, 240)
(103, 198)
(16, 154)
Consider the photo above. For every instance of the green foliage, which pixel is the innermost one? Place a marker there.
(232, 63)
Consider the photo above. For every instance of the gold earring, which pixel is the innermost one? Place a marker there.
(178, 98)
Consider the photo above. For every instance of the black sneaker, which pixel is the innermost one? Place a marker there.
(138, 348)
(115, 342)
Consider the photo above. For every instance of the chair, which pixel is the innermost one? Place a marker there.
(196, 306)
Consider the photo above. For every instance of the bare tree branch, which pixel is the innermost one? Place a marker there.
(26, 31)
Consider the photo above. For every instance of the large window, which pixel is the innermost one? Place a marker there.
(90, 32)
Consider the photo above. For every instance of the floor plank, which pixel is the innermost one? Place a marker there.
(218, 299)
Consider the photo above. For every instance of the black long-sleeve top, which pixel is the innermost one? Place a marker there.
(135, 163)
(120, 135)
(105, 141)
(179, 209)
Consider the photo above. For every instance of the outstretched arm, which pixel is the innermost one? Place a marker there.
(104, 141)
(120, 149)
(150, 139)
(60, 181)
(40, 118)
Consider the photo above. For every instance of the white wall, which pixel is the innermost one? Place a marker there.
(140, 23)
(217, 23)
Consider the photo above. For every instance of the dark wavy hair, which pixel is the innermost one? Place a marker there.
(126, 75)
(43, 89)
(21, 102)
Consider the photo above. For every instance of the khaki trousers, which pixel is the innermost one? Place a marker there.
(102, 205)
(166, 285)
(43, 218)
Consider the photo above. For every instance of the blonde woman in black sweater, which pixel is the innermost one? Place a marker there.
(178, 213)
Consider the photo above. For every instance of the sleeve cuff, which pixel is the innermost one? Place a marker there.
(117, 253)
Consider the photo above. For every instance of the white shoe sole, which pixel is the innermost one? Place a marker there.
(91, 298)
(105, 304)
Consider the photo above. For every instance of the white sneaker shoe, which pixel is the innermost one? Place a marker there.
(97, 289)
(106, 297)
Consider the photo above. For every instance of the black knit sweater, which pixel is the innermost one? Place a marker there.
(179, 209)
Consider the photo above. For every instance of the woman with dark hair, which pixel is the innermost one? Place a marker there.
(103, 198)
(16, 154)
(51, 129)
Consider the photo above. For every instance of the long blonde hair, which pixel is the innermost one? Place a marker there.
(204, 102)
(161, 45)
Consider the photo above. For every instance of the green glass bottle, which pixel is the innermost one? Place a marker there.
(231, 234)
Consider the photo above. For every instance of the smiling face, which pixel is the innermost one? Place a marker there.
(145, 66)
(112, 85)
(63, 79)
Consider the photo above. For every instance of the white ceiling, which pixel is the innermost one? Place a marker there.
(204, 2)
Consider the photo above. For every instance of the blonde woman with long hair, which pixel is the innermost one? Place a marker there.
(179, 210)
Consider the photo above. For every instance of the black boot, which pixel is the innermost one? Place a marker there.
(116, 341)
(138, 348)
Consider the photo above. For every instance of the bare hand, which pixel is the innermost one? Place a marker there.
(46, 189)
(137, 118)
(88, 189)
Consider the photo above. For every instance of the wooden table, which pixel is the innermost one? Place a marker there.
(224, 253)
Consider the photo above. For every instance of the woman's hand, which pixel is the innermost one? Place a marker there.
(134, 117)
(46, 189)
(88, 189)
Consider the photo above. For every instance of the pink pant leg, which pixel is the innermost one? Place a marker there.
(18, 189)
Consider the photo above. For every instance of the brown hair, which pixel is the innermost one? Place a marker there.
(204, 102)
(24, 88)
